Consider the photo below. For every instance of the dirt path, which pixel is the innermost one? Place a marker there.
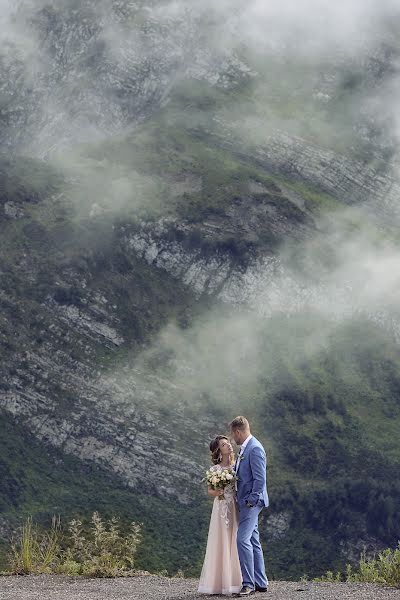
(60, 587)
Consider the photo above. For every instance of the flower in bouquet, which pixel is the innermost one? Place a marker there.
(220, 479)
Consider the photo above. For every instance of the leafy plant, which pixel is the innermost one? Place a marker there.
(102, 552)
(384, 569)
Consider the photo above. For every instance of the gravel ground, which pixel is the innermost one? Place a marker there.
(61, 587)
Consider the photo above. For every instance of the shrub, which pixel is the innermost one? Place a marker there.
(384, 569)
(100, 552)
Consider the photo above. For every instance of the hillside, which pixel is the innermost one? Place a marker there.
(184, 240)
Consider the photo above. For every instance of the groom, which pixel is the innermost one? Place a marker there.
(252, 497)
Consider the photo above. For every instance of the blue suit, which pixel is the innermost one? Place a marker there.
(251, 487)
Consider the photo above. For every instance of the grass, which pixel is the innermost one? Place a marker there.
(34, 552)
(315, 201)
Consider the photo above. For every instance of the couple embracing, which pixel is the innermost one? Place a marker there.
(234, 561)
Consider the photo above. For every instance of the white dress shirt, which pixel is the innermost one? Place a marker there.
(242, 447)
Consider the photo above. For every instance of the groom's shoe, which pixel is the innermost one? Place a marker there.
(261, 589)
(245, 591)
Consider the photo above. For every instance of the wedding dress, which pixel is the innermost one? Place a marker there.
(221, 572)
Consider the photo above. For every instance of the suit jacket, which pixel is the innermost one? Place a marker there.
(251, 471)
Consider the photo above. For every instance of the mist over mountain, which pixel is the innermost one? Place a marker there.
(199, 213)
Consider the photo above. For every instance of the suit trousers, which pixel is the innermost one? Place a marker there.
(249, 548)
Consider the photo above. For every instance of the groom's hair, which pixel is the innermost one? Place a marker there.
(240, 423)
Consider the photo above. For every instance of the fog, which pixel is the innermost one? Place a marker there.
(295, 54)
(294, 51)
(229, 356)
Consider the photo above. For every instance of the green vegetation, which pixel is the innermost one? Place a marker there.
(100, 552)
(383, 568)
(315, 201)
(331, 429)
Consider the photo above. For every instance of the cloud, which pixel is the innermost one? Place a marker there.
(346, 274)
(306, 25)
(88, 73)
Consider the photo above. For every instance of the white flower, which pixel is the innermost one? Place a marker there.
(229, 476)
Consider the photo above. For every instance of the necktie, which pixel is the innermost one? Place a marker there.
(236, 465)
(237, 458)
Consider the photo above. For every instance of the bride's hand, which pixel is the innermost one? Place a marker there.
(215, 493)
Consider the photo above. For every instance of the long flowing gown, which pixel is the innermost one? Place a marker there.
(221, 572)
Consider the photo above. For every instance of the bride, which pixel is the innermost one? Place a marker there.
(221, 572)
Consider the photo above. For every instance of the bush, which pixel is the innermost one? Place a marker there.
(384, 569)
(100, 552)
(104, 552)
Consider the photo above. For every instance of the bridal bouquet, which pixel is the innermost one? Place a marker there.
(219, 479)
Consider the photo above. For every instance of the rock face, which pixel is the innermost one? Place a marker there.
(54, 383)
(351, 181)
(222, 254)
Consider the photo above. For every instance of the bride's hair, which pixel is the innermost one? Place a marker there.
(216, 456)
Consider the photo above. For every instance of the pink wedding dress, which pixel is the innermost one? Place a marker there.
(221, 572)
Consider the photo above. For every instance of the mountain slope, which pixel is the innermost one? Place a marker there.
(214, 232)
(95, 374)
